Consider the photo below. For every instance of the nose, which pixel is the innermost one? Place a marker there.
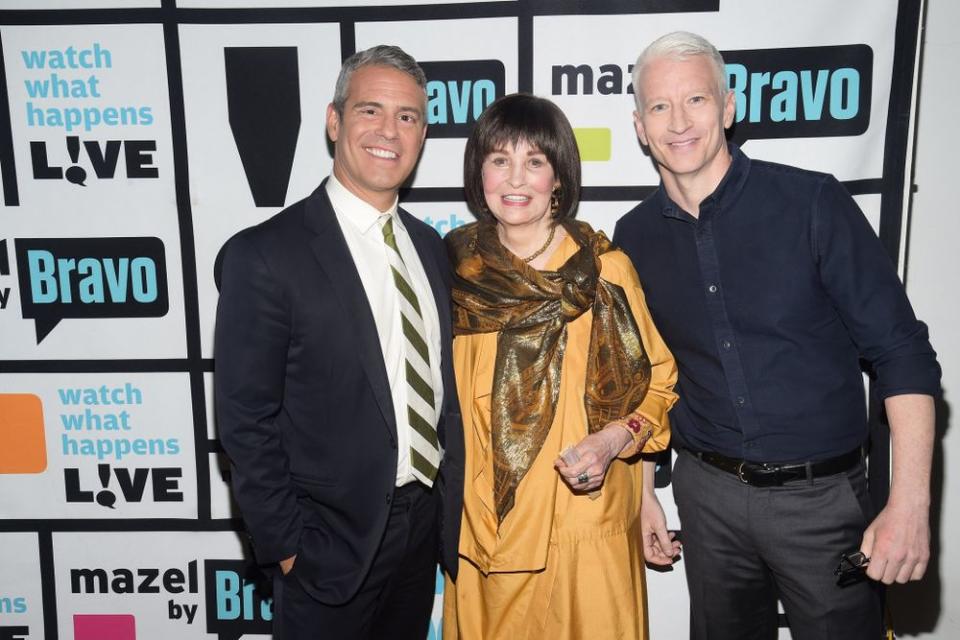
(679, 121)
(517, 176)
(387, 127)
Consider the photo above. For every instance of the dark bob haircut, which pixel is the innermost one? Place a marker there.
(539, 123)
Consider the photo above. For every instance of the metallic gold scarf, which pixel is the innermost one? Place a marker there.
(495, 291)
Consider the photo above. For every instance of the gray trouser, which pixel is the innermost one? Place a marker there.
(744, 547)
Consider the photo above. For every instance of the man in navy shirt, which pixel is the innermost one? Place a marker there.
(769, 286)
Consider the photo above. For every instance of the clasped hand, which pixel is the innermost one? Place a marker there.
(595, 452)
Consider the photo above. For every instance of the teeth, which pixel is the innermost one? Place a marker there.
(381, 153)
(516, 198)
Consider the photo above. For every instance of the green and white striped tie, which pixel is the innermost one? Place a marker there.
(421, 405)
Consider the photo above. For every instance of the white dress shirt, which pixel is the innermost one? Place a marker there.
(362, 226)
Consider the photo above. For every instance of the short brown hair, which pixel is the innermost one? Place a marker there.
(539, 123)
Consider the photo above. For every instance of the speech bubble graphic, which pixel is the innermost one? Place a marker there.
(77, 175)
(104, 626)
(90, 278)
(23, 447)
(800, 92)
(235, 602)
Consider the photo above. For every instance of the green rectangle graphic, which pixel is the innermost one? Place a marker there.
(594, 143)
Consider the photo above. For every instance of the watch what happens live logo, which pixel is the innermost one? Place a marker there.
(72, 89)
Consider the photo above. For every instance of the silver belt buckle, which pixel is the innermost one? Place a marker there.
(740, 473)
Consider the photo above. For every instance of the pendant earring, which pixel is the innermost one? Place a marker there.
(554, 202)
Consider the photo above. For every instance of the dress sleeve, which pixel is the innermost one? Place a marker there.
(652, 412)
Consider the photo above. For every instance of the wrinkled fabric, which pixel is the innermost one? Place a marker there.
(495, 291)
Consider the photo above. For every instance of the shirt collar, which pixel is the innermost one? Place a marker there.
(362, 215)
(726, 192)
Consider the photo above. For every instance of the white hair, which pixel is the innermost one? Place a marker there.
(680, 45)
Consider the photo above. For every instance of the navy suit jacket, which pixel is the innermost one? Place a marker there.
(303, 402)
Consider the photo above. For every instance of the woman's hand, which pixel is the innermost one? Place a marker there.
(593, 456)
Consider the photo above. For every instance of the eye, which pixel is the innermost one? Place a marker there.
(498, 161)
(658, 107)
(409, 118)
(537, 163)
(698, 99)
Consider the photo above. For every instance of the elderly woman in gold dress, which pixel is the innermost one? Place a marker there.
(563, 380)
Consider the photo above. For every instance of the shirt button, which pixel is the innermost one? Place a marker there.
(712, 288)
(741, 401)
(726, 344)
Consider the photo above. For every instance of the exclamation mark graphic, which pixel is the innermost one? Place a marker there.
(75, 174)
(105, 498)
(263, 104)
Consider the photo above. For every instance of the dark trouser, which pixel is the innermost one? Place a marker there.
(745, 546)
(395, 600)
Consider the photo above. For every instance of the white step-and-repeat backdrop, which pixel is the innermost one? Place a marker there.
(136, 136)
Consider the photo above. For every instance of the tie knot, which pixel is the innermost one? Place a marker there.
(388, 235)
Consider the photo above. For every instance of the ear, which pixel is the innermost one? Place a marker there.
(638, 125)
(333, 123)
(729, 110)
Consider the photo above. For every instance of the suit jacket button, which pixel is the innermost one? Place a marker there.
(393, 443)
(389, 498)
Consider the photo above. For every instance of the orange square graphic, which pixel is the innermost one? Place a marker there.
(23, 448)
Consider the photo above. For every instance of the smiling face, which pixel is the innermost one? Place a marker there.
(379, 135)
(682, 121)
(517, 183)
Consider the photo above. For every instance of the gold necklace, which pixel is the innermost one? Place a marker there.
(536, 254)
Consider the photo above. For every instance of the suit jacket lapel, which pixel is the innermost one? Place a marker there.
(331, 251)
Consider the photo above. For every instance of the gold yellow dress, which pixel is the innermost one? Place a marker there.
(563, 566)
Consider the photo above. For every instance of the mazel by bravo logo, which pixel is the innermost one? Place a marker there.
(457, 93)
(779, 93)
(179, 587)
(90, 278)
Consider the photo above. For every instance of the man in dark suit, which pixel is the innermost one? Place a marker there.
(334, 387)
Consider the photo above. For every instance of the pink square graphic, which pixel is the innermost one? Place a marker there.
(104, 627)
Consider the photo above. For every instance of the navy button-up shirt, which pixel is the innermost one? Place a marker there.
(768, 300)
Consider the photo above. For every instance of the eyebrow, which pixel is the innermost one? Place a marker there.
(379, 105)
(534, 151)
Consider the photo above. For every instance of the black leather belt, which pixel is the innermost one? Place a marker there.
(769, 474)
(410, 488)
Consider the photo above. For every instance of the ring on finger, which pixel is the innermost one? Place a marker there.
(583, 478)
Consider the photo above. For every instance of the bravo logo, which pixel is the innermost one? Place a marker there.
(90, 278)
(801, 93)
(458, 92)
(779, 93)
(235, 605)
